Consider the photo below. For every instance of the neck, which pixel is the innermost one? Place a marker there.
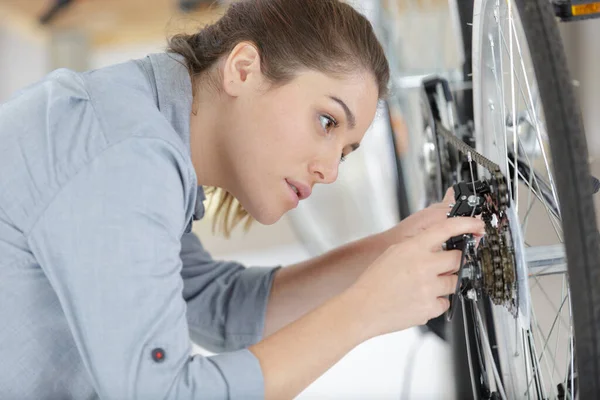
(207, 150)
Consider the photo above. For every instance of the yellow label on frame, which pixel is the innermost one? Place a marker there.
(585, 9)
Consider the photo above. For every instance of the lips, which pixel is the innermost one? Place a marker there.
(303, 191)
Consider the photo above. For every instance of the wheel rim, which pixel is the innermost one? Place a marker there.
(535, 353)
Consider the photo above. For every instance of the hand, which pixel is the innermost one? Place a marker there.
(420, 221)
(406, 285)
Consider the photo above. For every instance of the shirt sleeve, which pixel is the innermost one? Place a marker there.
(109, 243)
(226, 302)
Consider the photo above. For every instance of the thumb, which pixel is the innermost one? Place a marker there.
(437, 234)
(449, 196)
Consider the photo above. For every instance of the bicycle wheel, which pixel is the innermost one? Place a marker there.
(546, 321)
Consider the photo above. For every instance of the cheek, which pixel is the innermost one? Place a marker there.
(287, 131)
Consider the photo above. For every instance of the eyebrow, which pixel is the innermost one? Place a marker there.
(349, 116)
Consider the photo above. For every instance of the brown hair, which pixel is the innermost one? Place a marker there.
(328, 36)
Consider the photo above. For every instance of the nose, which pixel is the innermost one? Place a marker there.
(324, 172)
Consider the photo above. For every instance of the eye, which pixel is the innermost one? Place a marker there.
(342, 158)
(327, 123)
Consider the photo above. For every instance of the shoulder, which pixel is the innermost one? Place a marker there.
(61, 125)
(125, 102)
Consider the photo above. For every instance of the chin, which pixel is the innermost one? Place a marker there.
(268, 218)
(266, 215)
(264, 209)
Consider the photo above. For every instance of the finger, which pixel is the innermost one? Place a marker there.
(477, 240)
(449, 196)
(446, 285)
(434, 236)
(433, 215)
(448, 262)
(442, 206)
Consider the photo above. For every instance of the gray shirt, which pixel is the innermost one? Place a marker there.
(102, 282)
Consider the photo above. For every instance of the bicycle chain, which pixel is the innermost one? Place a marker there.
(496, 254)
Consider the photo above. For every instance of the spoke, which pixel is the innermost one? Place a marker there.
(470, 158)
(568, 396)
(537, 373)
(549, 210)
(512, 34)
(566, 324)
(566, 381)
(533, 116)
(542, 340)
(530, 203)
(537, 130)
(480, 355)
(540, 183)
(486, 345)
(536, 367)
(527, 363)
(529, 368)
(517, 332)
(503, 124)
(571, 346)
(500, 93)
(562, 293)
(539, 197)
(535, 124)
(530, 106)
(473, 387)
(547, 338)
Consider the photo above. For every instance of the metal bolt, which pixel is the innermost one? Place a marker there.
(473, 200)
(444, 246)
(465, 273)
(463, 197)
(471, 294)
(451, 205)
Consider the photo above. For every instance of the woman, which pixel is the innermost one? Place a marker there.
(102, 283)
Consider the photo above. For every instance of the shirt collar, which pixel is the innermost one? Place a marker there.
(174, 97)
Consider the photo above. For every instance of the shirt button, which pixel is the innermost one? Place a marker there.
(158, 354)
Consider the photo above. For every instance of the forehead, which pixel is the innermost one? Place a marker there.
(358, 90)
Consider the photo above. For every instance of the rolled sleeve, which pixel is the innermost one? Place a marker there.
(110, 243)
(244, 372)
(226, 302)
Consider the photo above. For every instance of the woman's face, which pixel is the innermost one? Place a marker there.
(283, 140)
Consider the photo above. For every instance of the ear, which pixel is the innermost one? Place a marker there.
(242, 69)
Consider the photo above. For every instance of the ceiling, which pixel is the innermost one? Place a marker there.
(124, 22)
(108, 22)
